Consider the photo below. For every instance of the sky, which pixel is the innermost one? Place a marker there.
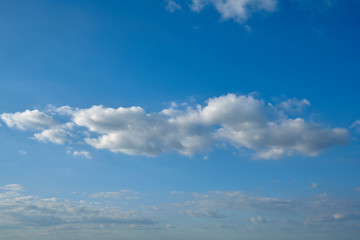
(179, 119)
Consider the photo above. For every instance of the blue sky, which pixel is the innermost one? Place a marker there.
(179, 119)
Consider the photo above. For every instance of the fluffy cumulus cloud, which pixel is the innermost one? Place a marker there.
(30, 119)
(57, 135)
(238, 10)
(243, 121)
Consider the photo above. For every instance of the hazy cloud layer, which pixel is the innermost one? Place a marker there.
(226, 209)
(18, 210)
(242, 121)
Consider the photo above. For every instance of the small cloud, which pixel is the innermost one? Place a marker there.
(196, 27)
(205, 157)
(177, 192)
(338, 216)
(82, 153)
(248, 28)
(275, 181)
(323, 195)
(357, 189)
(313, 185)
(22, 152)
(169, 226)
(258, 219)
(172, 6)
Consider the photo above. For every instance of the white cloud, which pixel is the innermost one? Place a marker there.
(28, 120)
(172, 6)
(133, 131)
(57, 135)
(243, 121)
(238, 10)
(82, 153)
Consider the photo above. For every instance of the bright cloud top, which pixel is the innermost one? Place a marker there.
(242, 121)
(239, 10)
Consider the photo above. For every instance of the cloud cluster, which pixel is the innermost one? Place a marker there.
(242, 121)
(238, 10)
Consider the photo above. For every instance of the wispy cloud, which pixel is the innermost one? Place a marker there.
(356, 125)
(172, 6)
(238, 10)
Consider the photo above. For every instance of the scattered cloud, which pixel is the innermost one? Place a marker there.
(243, 121)
(238, 10)
(172, 6)
(82, 153)
(357, 189)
